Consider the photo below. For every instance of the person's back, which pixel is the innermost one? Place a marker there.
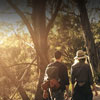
(81, 75)
(81, 72)
(60, 74)
(58, 77)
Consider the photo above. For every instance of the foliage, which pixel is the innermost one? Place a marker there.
(17, 55)
(17, 48)
(64, 36)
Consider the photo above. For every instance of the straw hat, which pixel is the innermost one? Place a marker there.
(80, 54)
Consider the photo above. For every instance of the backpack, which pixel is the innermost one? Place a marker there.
(52, 73)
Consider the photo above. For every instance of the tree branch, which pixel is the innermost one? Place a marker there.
(50, 24)
(22, 64)
(5, 12)
(97, 9)
(25, 20)
(28, 13)
(23, 17)
(32, 46)
(22, 77)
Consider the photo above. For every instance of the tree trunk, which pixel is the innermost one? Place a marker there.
(39, 33)
(10, 75)
(5, 97)
(38, 95)
(41, 44)
(23, 93)
(88, 35)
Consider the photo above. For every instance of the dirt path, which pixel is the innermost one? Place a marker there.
(97, 97)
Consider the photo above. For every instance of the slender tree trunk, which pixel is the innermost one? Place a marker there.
(41, 43)
(5, 97)
(88, 35)
(23, 93)
(10, 75)
(39, 92)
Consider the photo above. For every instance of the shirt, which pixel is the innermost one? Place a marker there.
(63, 73)
(81, 72)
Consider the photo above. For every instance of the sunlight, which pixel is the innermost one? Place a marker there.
(1, 41)
(30, 33)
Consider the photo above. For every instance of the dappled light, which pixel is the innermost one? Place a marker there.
(30, 33)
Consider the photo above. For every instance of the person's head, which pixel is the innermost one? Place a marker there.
(58, 55)
(80, 56)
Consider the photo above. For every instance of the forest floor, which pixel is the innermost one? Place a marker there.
(97, 97)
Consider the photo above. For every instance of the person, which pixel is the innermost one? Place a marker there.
(81, 74)
(58, 83)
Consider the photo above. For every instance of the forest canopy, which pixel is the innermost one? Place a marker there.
(31, 31)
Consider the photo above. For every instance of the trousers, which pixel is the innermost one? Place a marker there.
(82, 92)
(57, 95)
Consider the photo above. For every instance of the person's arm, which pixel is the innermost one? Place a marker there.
(64, 76)
(45, 94)
(66, 81)
(67, 92)
(72, 89)
(94, 89)
(72, 80)
(91, 82)
(67, 88)
(45, 86)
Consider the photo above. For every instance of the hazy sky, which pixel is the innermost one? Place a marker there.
(8, 14)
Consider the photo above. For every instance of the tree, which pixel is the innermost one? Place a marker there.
(66, 35)
(40, 27)
(39, 33)
(17, 61)
(88, 35)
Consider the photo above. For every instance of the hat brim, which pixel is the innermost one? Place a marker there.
(81, 57)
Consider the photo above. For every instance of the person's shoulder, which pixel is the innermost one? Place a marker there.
(62, 64)
(87, 66)
(75, 65)
(50, 64)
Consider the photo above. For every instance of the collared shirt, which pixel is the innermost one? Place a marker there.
(81, 72)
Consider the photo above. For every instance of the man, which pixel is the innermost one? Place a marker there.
(58, 82)
(81, 75)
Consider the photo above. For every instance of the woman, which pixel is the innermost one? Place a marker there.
(81, 75)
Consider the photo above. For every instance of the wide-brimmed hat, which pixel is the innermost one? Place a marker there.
(80, 54)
